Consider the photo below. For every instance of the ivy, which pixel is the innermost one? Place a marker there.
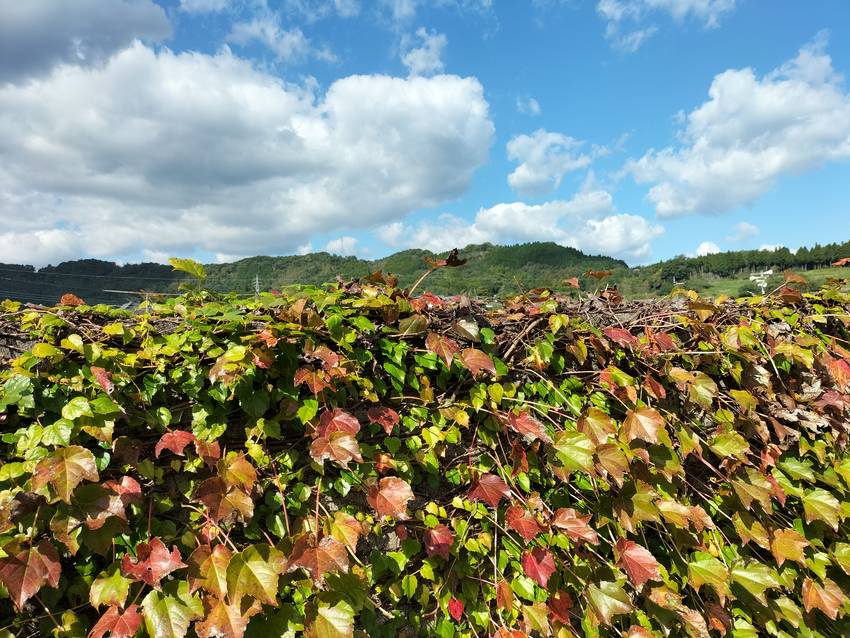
(354, 460)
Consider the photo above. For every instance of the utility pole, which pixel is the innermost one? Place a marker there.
(257, 285)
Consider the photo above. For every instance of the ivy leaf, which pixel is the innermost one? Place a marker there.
(208, 569)
(439, 541)
(827, 597)
(528, 427)
(223, 502)
(152, 563)
(341, 447)
(346, 529)
(335, 621)
(522, 522)
(536, 619)
(475, 361)
(638, 562)
(224, 620)
(390, 496)
(596, 424)
(613, 462)
(176, 441)
(237, 471)
(504, 595)
(643, 424)
(538, 565)
(820, 505)
(575, 525)
(754, 487)
(328, 555)
(621, 336)
(189, 266)
(608, 599)
(489, 488)
(455, 608)
(443, 347)
(412, 325)
(314, 380)
(788, 544)
(386, 417)
(337, 420)
(167, 615)
(118, 623)
(26, 572)
(574, 451)
(64, 470)
(756, 578)
(709, 571)
(254, 572)
(109, 588)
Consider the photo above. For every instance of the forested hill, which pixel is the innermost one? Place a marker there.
(490, 271)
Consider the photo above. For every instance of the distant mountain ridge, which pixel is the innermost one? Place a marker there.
(491, 270)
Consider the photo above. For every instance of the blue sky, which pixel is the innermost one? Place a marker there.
(139, 129)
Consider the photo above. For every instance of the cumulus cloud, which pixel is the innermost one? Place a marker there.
(627, 26)
(544, 157)
(288, 45)
(313, 10)
(427, 58)
(345, 246)
(742, 231)
(707, 248)
(528, 105)
(588, 222)
(189, 152)
(35, 36)
(204, 6)
(751, 131)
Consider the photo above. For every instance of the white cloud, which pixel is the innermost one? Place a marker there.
(587, 222)
(626, 20)
(403, 12)
(314, 10)
(204, 6)
(188, 152)
(545, 157)
(36, 35)
(742, 231)
(345, 246)
(528, 105)
(749, 133)
(427, 58)
(305, 248)
(707, 248)
(288, 45)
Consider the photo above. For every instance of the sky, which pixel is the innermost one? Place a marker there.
(135, 130)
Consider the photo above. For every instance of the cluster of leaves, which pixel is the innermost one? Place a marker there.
(355, 461)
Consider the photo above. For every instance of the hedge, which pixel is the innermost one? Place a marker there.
(355, 460)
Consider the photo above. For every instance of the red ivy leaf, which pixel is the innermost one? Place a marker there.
(438, 541)
(175, 441)
(104, 379)
(475, 361)
(223, 501)
(644, 424)
(443, 347)
(328, 555)
(638, 562)
(337, 420)
(209, 451)
(268, 338)
(225, 620)
(386, 417)
(519, 459)
(341, 447)
(621, 336)
(504, 595)
(314, 380)
(844, 261)
(573, 282)
(559, 606)
(455, 608)
(528, 426)
(153, 562)
(489, 488)
(575, 525)
(390, 497)
(29, 570)
(118, 623)
(538, 565)
(522, 522)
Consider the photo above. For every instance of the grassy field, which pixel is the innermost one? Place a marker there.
(714, 287)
